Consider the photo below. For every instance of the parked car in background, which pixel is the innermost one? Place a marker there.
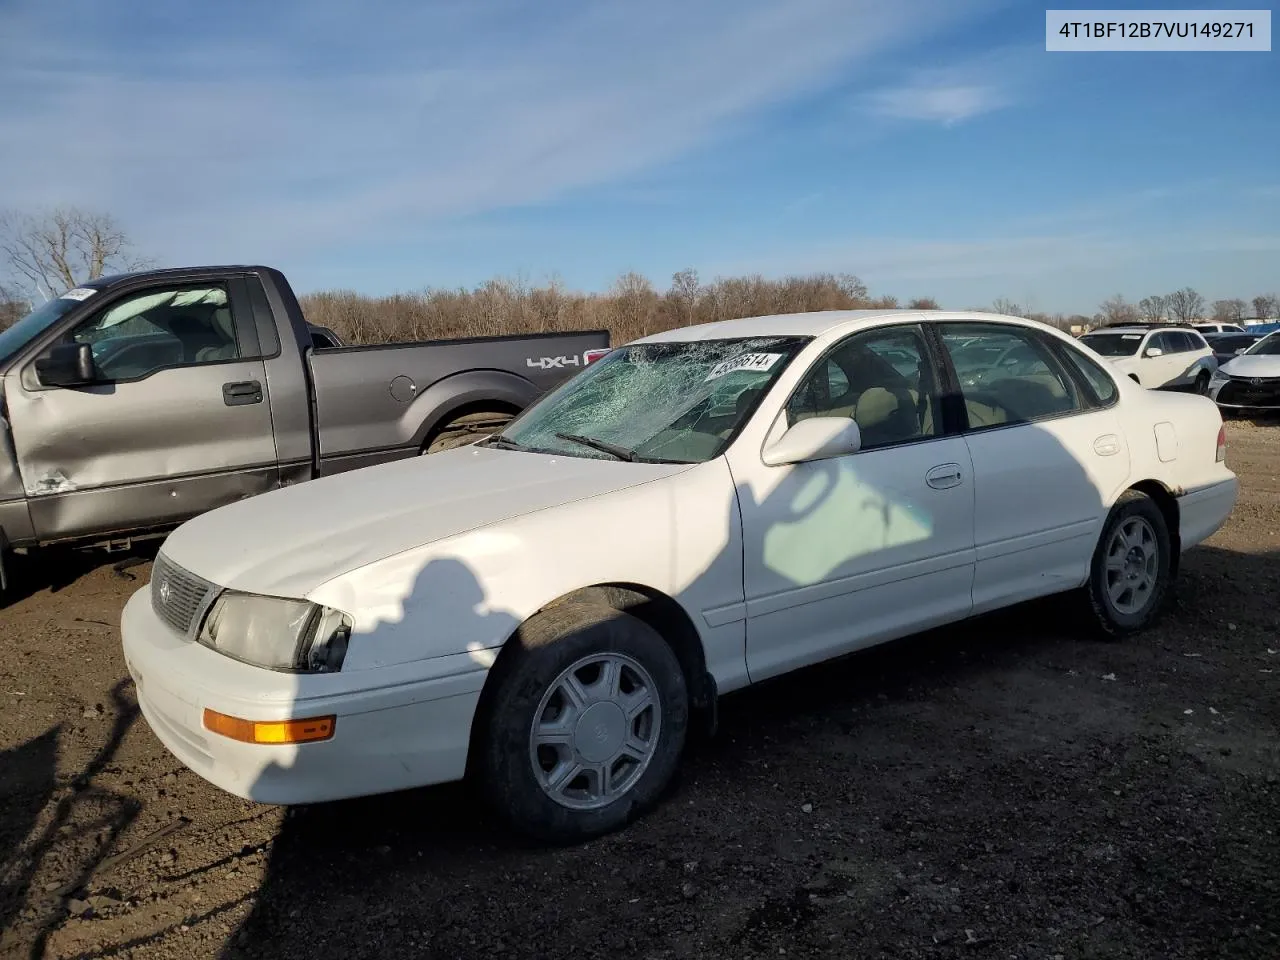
(1250, 380)
(138, 401)
(551, 609)
(1226, 346)
(1218, 327)
(1156, 356)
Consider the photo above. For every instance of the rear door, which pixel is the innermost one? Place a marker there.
(1048, 455)
(174, 424)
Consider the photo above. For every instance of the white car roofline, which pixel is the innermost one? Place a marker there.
(829, 325)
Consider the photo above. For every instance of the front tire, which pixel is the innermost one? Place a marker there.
(585, 725)
(1131, 572)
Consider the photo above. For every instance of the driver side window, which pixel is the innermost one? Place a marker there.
(154, 329)
(882, 379)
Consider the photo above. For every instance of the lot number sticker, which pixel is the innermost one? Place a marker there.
(759, 362)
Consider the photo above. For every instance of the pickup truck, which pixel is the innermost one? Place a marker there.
(135, 402)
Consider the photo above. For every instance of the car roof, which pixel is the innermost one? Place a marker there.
(1139, 328)
(820, 323)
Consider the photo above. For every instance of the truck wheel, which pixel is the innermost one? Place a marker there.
(465, 429)
(1132, 566)
(584, 726)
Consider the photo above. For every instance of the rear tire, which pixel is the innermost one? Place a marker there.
(465, 429)
(584, 726)
(1132, 567)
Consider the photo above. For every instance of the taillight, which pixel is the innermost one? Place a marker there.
(1222, 443)
(591, 356)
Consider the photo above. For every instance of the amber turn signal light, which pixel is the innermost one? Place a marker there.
(270, 731)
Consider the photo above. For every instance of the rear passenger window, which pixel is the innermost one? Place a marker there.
(1007, 375)
(1104, 388)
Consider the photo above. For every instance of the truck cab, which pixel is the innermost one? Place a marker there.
(135, 402)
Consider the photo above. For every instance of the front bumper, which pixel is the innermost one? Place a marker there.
(401, 726)
(1247, 393)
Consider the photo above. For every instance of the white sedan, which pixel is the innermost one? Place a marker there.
(549, 610)
(1250, 380)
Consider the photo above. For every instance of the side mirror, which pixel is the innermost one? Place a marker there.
(816, 438)
(1154, 352)
(67, 365)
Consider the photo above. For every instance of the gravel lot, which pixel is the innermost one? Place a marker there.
(1005, 789)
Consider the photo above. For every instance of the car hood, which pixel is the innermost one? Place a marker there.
(287, 542)
(1126, 364)
(1257, 365)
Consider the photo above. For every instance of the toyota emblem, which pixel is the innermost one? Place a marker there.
(1256, 381)
(164, 590)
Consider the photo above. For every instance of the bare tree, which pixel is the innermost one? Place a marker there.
(1185, 305)
(1007, 307)
(685, 288)
(1266, 306)
(12, 307)
(1228, 311)
(852, 287)
(922, 303)
(1153, 309)
(65, 247)
(1117, 310)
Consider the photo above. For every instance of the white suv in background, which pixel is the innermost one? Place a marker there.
(1156, 356)
(1219, 327)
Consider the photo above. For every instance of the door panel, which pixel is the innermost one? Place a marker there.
(173, 423)
(1041, 495)
(846, 552)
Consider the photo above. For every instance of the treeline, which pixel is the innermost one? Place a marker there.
(1187, 305)
(631, 308)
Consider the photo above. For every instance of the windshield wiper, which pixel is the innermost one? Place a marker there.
(604, 446)
(506, 443)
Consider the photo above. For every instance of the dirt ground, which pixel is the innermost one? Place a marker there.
(1005, 789)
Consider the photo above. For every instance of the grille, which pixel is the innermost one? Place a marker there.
(1245, 393)
(178, 596)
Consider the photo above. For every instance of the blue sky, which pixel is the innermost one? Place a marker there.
(930, 148)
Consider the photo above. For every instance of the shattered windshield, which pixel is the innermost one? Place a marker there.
(664, 402)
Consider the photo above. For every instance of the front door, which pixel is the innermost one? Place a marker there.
(845, 552)
(176, 421)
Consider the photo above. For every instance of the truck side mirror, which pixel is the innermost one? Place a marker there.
(67, 365)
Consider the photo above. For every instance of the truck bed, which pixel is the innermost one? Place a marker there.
(374, 403)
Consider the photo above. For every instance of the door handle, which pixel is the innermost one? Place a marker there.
(944, 475)
(246, 391)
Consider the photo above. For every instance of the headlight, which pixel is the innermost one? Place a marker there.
(290, 635)
(1219, 377)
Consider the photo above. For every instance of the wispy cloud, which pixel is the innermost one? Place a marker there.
(957, 92)
(942, 102)
(321, 122)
